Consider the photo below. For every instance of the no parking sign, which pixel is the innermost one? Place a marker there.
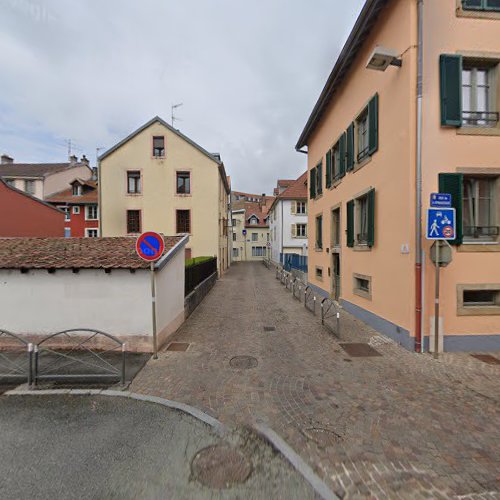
(150, 246)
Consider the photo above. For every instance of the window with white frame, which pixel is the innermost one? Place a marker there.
(301, 207)
(91, 212)
(77, 189)
(66, 211)
(301, 230)
(92, 233)
(479, 94)
(76, 210)
(254, 220)
(67, 232)
(134, 182)
(258, 251)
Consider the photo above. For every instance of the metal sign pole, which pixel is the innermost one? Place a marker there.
(436, 307)
(153, 303)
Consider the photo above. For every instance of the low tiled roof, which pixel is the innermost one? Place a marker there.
(285, 182)
(34, 169)
(296, 190)
(258, 210)
(67, 196)
(70, 253)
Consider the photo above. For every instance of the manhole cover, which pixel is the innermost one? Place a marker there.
(487, 358)
(178, 346)
(220, 467)
(269, 328)
(243, 362)
(323, 437)
(360, 350)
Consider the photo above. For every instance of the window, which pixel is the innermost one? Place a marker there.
(336, 227)
(183, 221)
(478, 97)
(77, 189)
(76, 210)
(159, 146)
(478, 299)
(183, 183)
(236, 252)
(92, 233)
(234, 236)
(133, 221)
(91, 212)
(493, 5)
(10, 182)
(233, 222)
(319, 232)
(301, 208)
(134, 182)
(319, 273)
(67, 232)
(258, 251)
(254, 220)
(301, 230)
(66, 210)
(255, 236)
(479, 221)
(29, 187)
(362, 126)
(316, 181)
(361, 220)
(362, 285)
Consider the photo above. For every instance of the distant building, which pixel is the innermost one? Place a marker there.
(24, 215)
(80, 203)
(157, 179)
(43, 179)
(288, 220)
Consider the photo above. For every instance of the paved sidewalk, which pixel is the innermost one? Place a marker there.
(397, 426)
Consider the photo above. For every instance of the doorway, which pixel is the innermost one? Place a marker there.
(336, 276)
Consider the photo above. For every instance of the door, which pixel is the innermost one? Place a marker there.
(336, 276)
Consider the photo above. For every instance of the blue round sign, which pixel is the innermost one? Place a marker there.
(150, 246)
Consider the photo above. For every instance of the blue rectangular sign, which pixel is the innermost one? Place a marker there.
(441, 224)
(440, 200)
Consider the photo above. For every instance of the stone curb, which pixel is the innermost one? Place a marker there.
(319, 486)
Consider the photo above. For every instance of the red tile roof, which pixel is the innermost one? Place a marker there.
(70, 253)
(284, 183)
(296, 190)
(67, 196)
(256, 209)
(35, 169)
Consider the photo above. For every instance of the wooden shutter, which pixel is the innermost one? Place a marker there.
(350, 223)
(320, 177)
(294, 230)
(450, 70)
(373, 125)
(350, 148)
(454, 184)
(294, 207)
(342, 154)
(312, 184)
(371, 218)
(329, 168)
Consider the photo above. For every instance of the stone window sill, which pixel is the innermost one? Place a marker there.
(481, 131)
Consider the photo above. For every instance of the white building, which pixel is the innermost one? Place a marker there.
(288, 221)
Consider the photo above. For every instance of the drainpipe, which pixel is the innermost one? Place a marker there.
(282, 224)
(419, 347)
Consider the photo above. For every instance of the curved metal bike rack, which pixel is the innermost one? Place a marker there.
(330, 310)
(16, 357)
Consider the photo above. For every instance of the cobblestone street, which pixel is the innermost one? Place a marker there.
(400, 425)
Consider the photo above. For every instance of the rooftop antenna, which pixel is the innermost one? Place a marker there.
(174, 107)
(68, 141)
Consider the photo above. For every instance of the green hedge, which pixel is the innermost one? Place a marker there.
(197, 260)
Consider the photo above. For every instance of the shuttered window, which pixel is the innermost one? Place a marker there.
(371, 218)
(329, 168)
(350, 223)
(450, 69)
(319, 232)
(454, 184)
(361, 220)
(342, 153)
(350, 148)
(312, 184)
(319, 178)
(373, 125)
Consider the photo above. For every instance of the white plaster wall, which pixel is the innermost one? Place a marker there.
(19, 184)
(37, 302)
(170, 291)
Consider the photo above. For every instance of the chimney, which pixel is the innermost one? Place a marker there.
(73, 160)
(7, 159)
(84, 160)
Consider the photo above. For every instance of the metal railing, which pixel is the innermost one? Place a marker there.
(330, 315)
(79, 354)
(481, 231)
(480, 118)
(298, 289)
(363, 154)
(197, 273)
(16, 358)
(309, 300)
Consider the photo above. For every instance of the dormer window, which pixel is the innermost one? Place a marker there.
(77, 190)
(159, 146)
(254, 220)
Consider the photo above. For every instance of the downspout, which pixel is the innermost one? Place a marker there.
(282, 224)
(418, 215)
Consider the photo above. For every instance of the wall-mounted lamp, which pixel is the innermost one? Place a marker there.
(382, 58)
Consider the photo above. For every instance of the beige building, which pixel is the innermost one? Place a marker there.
(43, 179)
(379, 144)
(157, 179)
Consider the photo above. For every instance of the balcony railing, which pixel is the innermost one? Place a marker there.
(362, 238)
(481, 232)
(363, 154)
(480, 118)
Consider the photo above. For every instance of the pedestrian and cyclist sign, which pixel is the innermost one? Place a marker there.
(150, 246)
(441, 224)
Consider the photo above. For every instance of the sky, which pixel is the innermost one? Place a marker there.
(248, 75)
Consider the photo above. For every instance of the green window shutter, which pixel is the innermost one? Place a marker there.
(350, 223)
(312, 184)
(342, 150)
(371, 218)
(450, 70)
(454, 184)
(320, 177)
(373, 125)
(329, 168)
(350, 148)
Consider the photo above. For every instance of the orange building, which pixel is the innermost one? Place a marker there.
(410, 108)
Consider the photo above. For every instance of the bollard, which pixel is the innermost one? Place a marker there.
(322, 313)
(338, 324)
(30, 365)
(122, 381)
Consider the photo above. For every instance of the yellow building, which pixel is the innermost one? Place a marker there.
(157, 179)
(410, 108)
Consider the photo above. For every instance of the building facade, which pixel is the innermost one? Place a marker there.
(157, 179)
(24, 215)
(372, 168)
(80, 204)
(43, 179)
(288, 221)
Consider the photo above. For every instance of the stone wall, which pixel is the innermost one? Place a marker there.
(192, 301)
